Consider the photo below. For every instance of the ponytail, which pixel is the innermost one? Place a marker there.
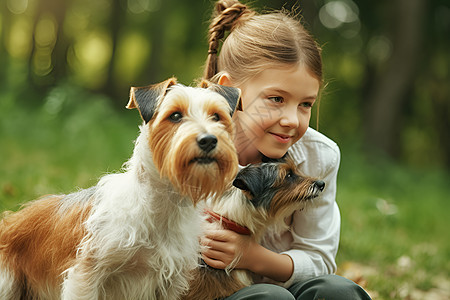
(227, 15)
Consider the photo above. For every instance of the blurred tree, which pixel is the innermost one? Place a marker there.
(48, 58)
(441, 110)
(433, 83)
(115, 24)
(4, 35)
(390, 91)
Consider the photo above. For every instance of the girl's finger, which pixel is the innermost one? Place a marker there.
(217, 264)
(219, 246)
(220, 235)
(216, 255)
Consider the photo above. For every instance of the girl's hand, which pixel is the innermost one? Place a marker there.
(222, 247)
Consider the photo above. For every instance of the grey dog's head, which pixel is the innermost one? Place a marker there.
(277, 186)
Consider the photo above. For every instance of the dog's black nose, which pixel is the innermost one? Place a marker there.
(319, 184)
(207, 142)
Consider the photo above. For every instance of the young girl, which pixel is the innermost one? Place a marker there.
(278, 67)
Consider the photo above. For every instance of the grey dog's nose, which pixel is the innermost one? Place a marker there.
(319, 184)
(207, 142)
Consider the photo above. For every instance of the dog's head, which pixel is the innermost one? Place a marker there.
(276, 189)
(190, 134)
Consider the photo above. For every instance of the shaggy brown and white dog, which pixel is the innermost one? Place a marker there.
(263, 196)
(135, 234)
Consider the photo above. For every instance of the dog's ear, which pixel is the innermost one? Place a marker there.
(146, 98)
(249, 179)
(231, 94)
(240, 184)
(258, 180)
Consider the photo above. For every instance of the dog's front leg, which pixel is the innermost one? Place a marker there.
(9, 286)
(80, 283)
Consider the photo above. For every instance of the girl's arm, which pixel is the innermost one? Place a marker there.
(224, 245)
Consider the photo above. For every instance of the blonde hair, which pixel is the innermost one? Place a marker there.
(257, 42)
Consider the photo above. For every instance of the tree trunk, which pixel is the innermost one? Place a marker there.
(4, 36)
(57, 9)
(388, 95)
(115, 24)
(59, 53)
(441, 111)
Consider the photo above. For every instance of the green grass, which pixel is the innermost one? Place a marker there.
(395, 223)
(394, 237)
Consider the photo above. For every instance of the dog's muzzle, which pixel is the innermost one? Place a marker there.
(207, 142)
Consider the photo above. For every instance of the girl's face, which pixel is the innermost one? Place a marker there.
(276, 109)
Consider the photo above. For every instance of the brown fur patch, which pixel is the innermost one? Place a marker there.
(40, 241)
(219, 283)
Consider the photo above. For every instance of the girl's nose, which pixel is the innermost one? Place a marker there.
(289, 118)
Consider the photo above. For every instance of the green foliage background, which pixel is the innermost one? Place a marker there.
(65, 72)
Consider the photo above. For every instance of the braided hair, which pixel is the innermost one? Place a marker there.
(257, 42)
(227, 14)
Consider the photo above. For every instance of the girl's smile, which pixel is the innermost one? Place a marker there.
(276, 109)
(282, 138)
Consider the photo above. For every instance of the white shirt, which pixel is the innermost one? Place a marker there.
(313, 238)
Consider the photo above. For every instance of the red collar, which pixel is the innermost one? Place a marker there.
(226, 223)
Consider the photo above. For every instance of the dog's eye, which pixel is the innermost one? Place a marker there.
(216, 117)
(289, 175)
(175, 117)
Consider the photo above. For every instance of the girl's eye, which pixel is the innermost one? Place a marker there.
(276, 99)
(215, 117)
(175, 117)
(306, 104)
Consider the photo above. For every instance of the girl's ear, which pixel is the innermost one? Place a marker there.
(224, 79)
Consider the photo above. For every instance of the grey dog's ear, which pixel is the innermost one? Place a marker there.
(145, 99)
(250, 179)
(258, 181)
(231, 94)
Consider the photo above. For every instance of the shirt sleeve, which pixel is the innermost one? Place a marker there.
(313, 238)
